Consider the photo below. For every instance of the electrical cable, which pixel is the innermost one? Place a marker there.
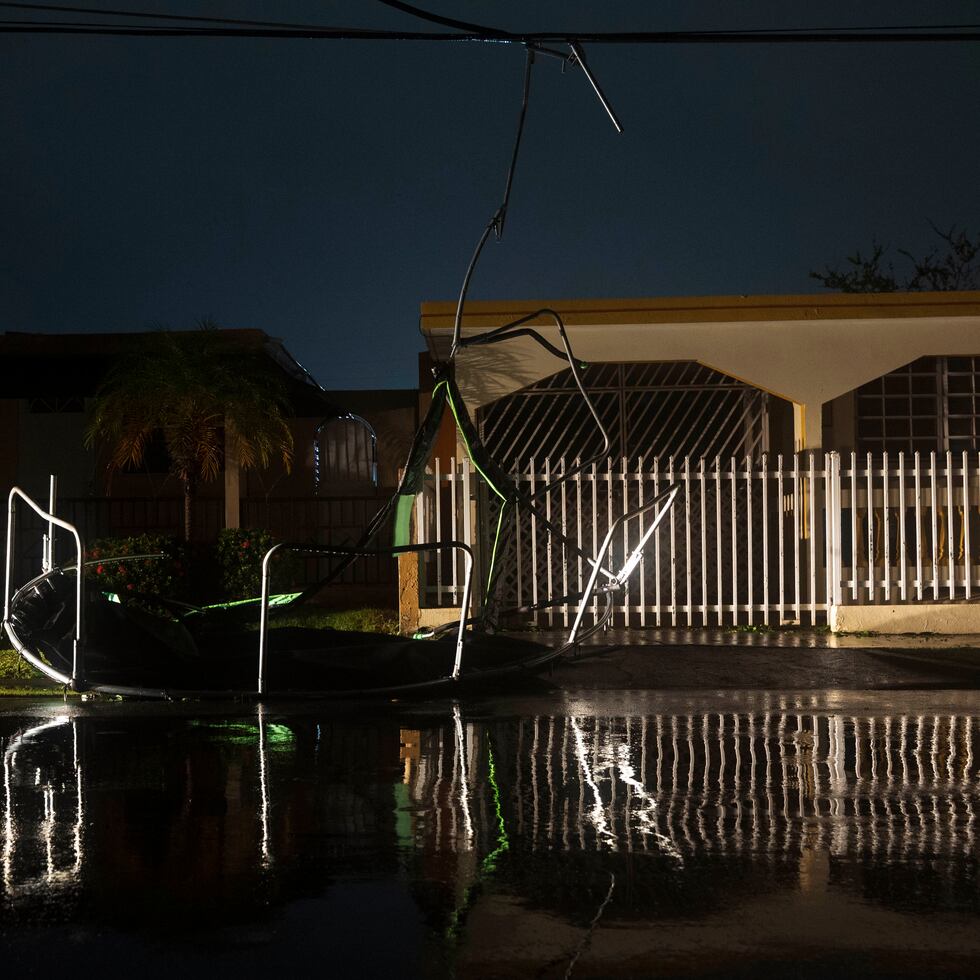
(109, 12)
(499, 216)
(445, 21)
(473, 33)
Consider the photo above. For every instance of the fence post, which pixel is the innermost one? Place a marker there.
(833, 505)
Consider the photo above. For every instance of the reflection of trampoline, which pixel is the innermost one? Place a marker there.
(42, 810)
(149, 645)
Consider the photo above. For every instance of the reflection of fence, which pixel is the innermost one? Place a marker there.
(719, 782)
(748, 541)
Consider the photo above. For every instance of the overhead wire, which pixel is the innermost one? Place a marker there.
(143, 15)
(365, 34)
(186, 25)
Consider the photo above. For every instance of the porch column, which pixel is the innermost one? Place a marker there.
(807, 426)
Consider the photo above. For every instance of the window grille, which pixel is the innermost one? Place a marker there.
(928, 405)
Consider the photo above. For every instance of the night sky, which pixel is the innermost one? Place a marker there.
(321, 190)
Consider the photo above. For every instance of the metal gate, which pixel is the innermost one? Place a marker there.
(669, 408)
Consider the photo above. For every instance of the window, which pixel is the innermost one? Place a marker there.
(927, 406)
(344, 452)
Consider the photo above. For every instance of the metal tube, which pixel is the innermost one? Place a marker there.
(797, 531)
(951, 511)
(886, 529)
(467, 590)
(48, 562)
(673, 550)
(77, 678)
(902, 552)
(780, 531)
(437, 506)
(670, 493)
(934, 498)
(580, 59)
(918, 528)
(749, 562)
(765, 539)
(704, 547)
(812, 486)
(8, 561)
(264, 614)
(967, 566)
(854, 539)
(687, 535)
(869, 478)
(718, 570)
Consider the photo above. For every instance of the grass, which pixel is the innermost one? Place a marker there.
(19, 679)
(368, 620)
(13, 667)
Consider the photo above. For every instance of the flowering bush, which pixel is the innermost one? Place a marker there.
(239, 552)
(115, 565)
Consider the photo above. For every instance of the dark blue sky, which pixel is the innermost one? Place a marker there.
(322, 190)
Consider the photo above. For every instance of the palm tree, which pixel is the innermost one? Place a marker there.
(188, 386)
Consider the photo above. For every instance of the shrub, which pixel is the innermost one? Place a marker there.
(238, 554)
(114, 565)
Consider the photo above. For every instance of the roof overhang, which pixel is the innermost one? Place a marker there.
(806, 349)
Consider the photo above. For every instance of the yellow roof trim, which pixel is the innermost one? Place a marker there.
(710, 309)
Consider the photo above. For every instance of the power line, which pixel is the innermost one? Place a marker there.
(140, 15)
(356, 34)
(179, 25)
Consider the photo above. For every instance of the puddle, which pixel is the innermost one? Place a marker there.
(618, 835)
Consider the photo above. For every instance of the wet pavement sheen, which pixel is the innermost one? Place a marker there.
(727, 833)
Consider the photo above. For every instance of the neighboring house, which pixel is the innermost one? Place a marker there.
(741, 399)
(48, 380)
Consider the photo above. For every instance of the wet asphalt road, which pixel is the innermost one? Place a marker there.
(792, 661)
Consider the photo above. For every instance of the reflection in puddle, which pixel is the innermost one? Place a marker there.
(729, 783)
(50, 856)
(505, 843)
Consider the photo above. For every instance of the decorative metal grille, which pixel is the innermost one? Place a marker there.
(670, 408)
(929, 404)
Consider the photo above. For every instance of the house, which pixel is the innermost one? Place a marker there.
(826, 446)
(48, 380)
(847, 372)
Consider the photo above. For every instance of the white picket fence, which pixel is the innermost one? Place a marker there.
(771, 541)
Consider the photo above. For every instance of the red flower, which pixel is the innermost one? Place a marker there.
(99, 569)
(130, 586)
(121, 569)
(246, 543)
